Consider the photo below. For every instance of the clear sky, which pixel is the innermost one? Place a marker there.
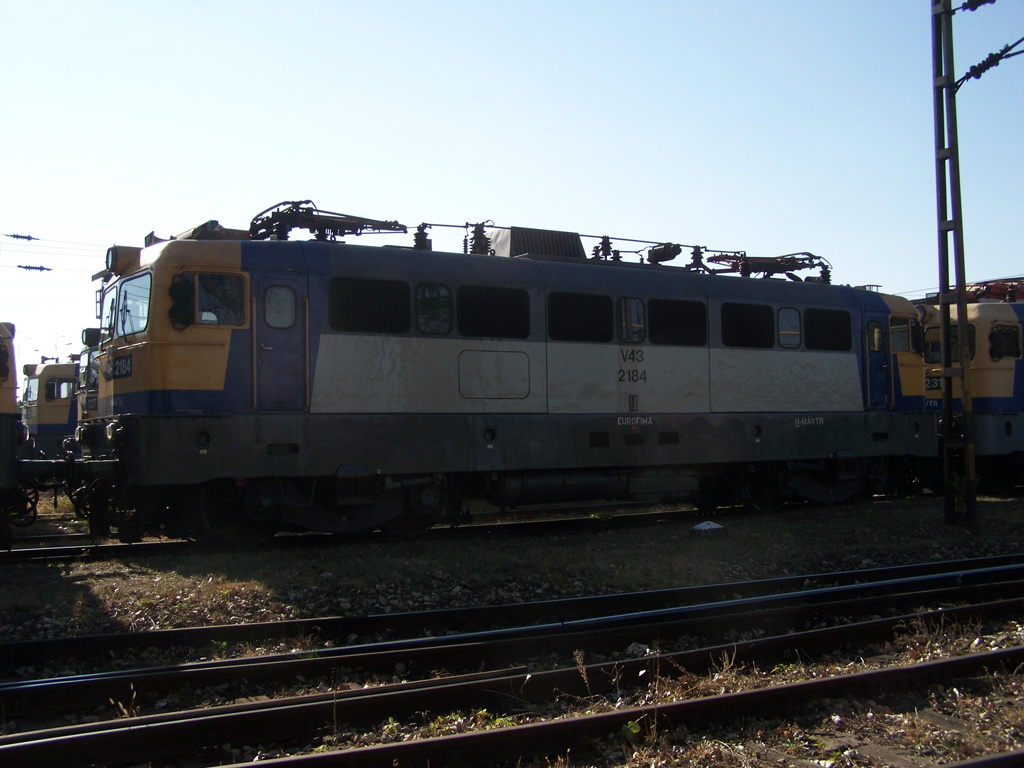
(770, 127)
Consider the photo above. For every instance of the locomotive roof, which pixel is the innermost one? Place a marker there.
(39, 370)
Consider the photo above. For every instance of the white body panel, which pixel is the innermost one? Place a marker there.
(599, 378)
(752, 380)
(396, 374)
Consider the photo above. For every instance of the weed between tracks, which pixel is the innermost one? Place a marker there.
(974, 717)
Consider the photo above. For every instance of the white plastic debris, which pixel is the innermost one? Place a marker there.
(707, 528)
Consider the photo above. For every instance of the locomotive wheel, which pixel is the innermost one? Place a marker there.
(91, 503)
(425, 506)
(761, 489)
(219, 514)
(713, 493)
(23, 511)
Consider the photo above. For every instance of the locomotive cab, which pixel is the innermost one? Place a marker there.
(994, 343)
(49, 408)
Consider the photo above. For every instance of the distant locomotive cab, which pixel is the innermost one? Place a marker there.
(996, 364)
(49, 407)
(906, 348)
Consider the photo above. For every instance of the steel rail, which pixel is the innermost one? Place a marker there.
(559, 736)
(33, 652)
(490, 647)
(165, 736)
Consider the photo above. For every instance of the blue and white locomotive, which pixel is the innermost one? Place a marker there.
(339, 387)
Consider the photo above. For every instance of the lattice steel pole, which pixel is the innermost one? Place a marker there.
(957, 432)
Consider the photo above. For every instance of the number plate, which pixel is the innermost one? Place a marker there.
(121, 367)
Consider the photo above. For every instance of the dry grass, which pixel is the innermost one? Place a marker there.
(431, 572)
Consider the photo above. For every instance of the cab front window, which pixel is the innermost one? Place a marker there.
(126, 307)
(109, 312)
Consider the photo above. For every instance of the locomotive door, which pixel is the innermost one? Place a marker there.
(280, 355)
(878, 368)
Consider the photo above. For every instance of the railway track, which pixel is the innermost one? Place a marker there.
(596, 626)
(100, 649)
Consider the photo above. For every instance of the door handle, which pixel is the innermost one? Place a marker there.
(265, 348)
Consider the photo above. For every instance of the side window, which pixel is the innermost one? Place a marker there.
(65, 389)
(631, 320)
(279, 306)
(209, 299)
(109, 313)
(904, 334)
(933, 343)
(789, 328)
(183, 301)
(32, 390)
(221, 299)
(580, 317)
(748, 325)
(899, 334)
(133, 306)
(90, 373)
(493, 312)
(677, 323)
(1004, 341)
(369, 305)
(876, 340)
(829, 330)
(433, 309)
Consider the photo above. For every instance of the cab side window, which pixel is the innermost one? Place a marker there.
(221, 299)
(1004, 341)
(207, 299)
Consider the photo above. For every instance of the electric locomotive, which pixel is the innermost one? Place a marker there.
(994, 320)
(339, 387)
(49, 407)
